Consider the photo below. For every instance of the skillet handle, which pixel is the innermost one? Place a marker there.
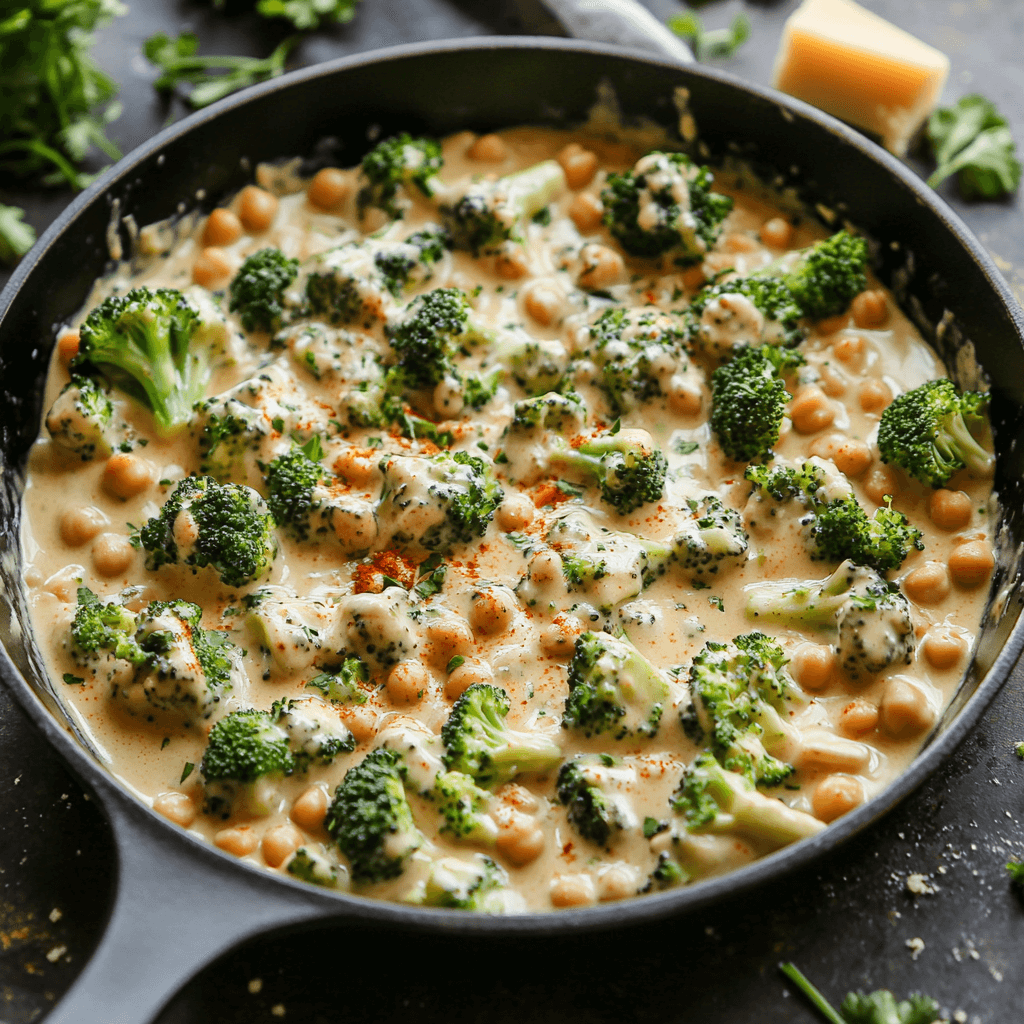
(177, 906)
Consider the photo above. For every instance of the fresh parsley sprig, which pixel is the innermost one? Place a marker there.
(16, 237)
(710, 44)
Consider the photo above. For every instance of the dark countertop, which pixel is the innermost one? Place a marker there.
(847, 923)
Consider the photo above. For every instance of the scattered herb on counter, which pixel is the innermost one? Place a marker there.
(714, 44)
(305, 14)
(1019, 749)
(1016, 872)
(878, 1007)
(972, 141)
(16, 237)
(211, 77)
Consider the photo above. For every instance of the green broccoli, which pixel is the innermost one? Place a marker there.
(744, 311)
(398, 162)
(871, 616)
(712, 539)
(102, 629)
(613, 689)
(291, 481)
(478, 742)
(81, 420)
(411, 261)
(828, 275)
(312, 739)
(257, 290)
(564, 414)
(463, 806)
(926, 431)
(371, 820)
(313, 866)
(664, 205)
(463, 885)
(345, 286)
(229, 527)
(583, 786)
(537, 365)
(231, 434)
(143, 342)
(343, 685)
(1015, 868)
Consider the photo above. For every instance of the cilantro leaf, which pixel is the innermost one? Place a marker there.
(714, 44)
(308, 14)
(16, 237)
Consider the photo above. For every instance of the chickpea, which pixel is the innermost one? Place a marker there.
(836, 795)
(853, 458)
(310, 808)
(737, 241)
(328, 188)
(812, 666)
(579, 164)
(516, 512)
(489, 148)
(833, 324)
(449, 636)
(127, 474)
(543, 302)
(693, 278)
(279, 843)
(858, 717)
(617, 883)
(545, 567)
(222, 228)
(949, 510)
(516, 797)
(971, 564)
(601, 266)
(559, 639)
(463, 676)
(491, 611)
(870, 308)
(361, 721)
(64, 583)
(928, 584)
(176, 807)
(943, 648)
(832, 381)
(586, 212)
(357, 466)
(848, 347)
(810, 410)
(874, 395)
(904, 707)
(825, 446)
(212, 268)
(684, 396)
(407, 682)
(511, 264)
(80, 524)
(67, 346)
(881, 481)
(520, 840)
(776, 232)
(240, 841)
(257, 208)
(572, 891)
(112, 554)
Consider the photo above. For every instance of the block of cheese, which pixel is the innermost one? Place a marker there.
(860, 68)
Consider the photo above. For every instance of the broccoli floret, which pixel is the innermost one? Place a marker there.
(344, 286)
(143, 341)
(748, 404)
(231, 434)
(739, 692)
(257, 290)
(585, 786)
(436, 502)
(245, 748)
(379, 627)
(628, 466)
(536, 365)
(926, 431)
(870, 615)
(712, 799)
(396, 162)
(315, 733)
(744, 311)
(228, 527)
(634, 353)
(104, 629)
(613, 689)
(344, 685)
(489, 212)
(828, 275)
(464, 805)
(291, 481)
(81, 420)
(295, 632)
(664, 205)
(463, 885)
(411, 261)
(370, 818)
(478, 743)
(313, 866)
(564, 414)
(712, 539)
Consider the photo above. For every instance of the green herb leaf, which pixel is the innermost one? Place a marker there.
(455, 663)
(711, 45)
(685, 447)
(307, 15)
(73, 680)
(186, 771)
(16, 237)
(313, 449)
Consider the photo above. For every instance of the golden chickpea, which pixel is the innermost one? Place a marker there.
(853, 458)
(579, 164)
(489, 148)
(776, 232)
(832, 381)
(825, 446)
(812, 666)
(832, 324)
(492, 611)
(127, 474)
(357, 466)
(586, 212)
(943, 648)
(448, 636)
(572, 891)
(112, 554)
(693, 278)
(971, 564)
(617, 883)
(874, 395)
(880, 481)
(545, 567)
(601, 266)
(80, 524)
(520, 840)
(176, 807)
(222, 228)
(904, 707)
(848, 347)
(685, 396)
(736, 241)
(463, 676)
(67, 346)
(928, 584)
(516, 512)
(543, 302)
(858, 717)
(328, 188)
(361, 721)
(559, 639)
(810, 410)
(257, 208)
(239, 841)
(949, 510)
(835, 796)
(212, 268)
(310, 808)
(407, 682)
(511, 264)
(870, 308)
(279, 843)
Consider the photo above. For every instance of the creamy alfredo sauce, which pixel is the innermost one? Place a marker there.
(504, 607)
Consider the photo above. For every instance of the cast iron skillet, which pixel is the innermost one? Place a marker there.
(180, 902)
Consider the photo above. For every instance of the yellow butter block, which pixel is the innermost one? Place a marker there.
(855, 65)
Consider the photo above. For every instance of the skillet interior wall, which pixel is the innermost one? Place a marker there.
(443, 91)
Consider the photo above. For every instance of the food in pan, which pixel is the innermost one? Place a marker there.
(514, 522)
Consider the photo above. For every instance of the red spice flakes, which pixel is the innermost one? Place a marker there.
(549, 494)
(369, 577)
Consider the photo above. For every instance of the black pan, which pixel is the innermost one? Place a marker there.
(180, 902)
